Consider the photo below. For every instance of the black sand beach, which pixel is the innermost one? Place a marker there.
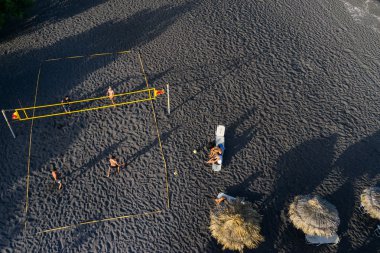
(296, 83)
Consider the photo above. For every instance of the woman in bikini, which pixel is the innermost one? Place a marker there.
(111, 94)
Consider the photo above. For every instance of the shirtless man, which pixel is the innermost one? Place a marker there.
(216, 159)
(54, 173)
(111, 94)
(113, 165)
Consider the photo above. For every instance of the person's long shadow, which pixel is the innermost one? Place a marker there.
(361, 158)
(359, 165)
(237, 140)
(145, 149)
(298, 171)
(102, 157)
(227, 68)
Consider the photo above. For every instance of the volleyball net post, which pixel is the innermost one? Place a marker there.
(9, 125)
(168, 97)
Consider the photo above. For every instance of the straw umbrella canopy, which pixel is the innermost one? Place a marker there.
(370, 200)
(236, 225)
(314, 215)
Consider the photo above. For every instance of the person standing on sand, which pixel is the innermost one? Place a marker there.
(113, 165)
(111, 94)
(54, 173)
(64, 102)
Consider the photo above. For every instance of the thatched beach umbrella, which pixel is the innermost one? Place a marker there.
(314, 216)
(236, 225)
(370, 200)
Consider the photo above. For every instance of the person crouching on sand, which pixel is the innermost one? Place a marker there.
(114, 164)
(111, 94)
(216, 159)
(54, 173)
(218, 150)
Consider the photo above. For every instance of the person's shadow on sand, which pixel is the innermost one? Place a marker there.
(209, 75)
(237, 140)
(102, 157)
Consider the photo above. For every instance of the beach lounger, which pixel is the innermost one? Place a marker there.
(227, 197)
(219, 139)
(318, 240)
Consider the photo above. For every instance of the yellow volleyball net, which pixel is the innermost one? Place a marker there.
(84, 105)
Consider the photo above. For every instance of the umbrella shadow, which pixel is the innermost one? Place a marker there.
(244, 188)
(360, 163)
(371, 245)
(298, 171)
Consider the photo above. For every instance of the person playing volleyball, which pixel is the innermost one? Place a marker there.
(111, 94)
(114, 164)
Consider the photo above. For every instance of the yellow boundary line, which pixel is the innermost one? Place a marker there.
(96, 221)
(30, 149)
(83, 56)
(158, 135)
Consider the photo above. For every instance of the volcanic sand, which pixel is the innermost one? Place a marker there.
(294, 82)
